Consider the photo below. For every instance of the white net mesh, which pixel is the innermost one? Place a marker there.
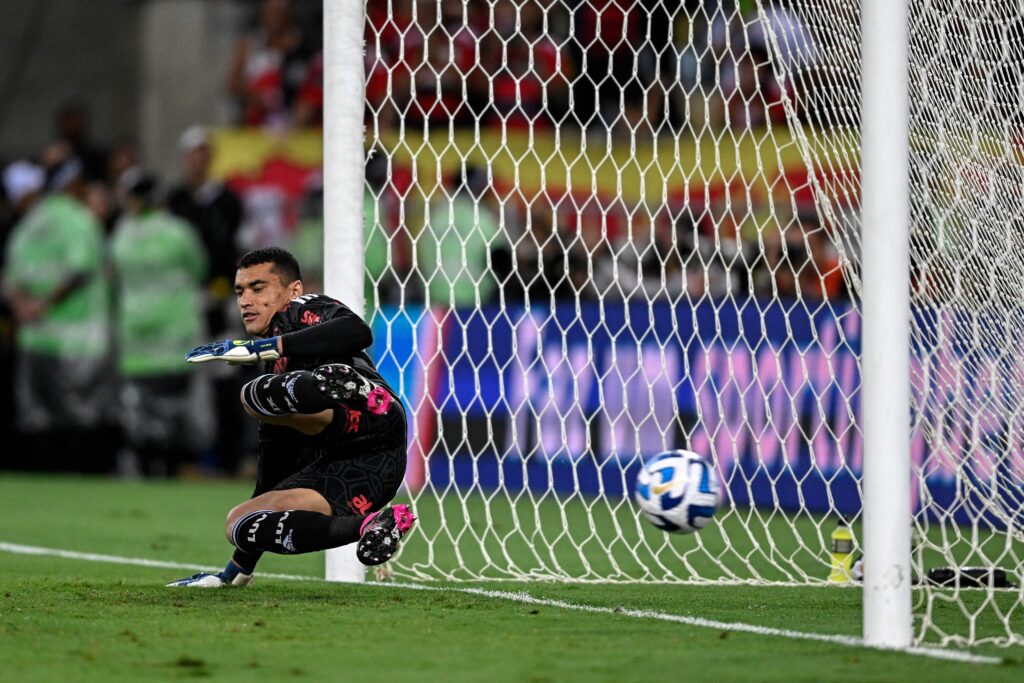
(600, 229)
(967, 245)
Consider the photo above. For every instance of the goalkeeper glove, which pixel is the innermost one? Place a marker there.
(235, 351)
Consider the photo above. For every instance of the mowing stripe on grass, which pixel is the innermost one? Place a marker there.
(526, 598)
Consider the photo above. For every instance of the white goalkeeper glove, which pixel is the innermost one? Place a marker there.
(235, 351)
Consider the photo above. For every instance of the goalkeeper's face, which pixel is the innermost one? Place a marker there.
(261, 292)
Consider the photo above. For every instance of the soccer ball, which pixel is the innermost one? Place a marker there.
(678, 491)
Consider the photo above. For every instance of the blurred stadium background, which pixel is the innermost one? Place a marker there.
(149, 86)
(231, 135)
(638, 187)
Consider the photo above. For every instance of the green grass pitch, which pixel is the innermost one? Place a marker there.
(75, 620)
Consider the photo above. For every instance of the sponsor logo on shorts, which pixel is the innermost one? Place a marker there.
(360, 505)
(281, 366)
(354, 417)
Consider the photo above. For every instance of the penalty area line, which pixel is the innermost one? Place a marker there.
(527, 599)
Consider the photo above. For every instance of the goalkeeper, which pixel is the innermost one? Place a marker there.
(332, 433)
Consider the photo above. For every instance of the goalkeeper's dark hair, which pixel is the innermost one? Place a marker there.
(284, 264)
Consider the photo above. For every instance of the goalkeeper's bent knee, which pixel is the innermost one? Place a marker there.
(284, 394)
(291, 532)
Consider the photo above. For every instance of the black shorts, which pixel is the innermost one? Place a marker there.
(355, 485)
(356, 472)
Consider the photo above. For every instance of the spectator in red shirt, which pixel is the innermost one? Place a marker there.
(608, 35)
(269, 67)
(309, 101)
(529, 70)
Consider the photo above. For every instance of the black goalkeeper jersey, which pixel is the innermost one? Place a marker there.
(311, 310)
(285, 450)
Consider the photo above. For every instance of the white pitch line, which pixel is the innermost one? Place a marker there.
(851, 641)
(527, 599)
(136, 561)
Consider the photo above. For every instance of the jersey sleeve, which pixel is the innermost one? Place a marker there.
(317, 325)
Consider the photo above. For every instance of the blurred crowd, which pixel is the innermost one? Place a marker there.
(640, 68)
(478, 242)
(631, 72)
(643, 68)
(109, 274)
(108, 278)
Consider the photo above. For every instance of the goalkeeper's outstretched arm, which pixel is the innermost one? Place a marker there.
(344, 335)
(295, 399)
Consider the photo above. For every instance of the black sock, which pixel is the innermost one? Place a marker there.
(290, 392)
(293, 531)
(246, 560)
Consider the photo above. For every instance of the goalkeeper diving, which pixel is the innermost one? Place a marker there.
(332, 433)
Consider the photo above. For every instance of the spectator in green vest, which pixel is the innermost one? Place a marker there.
(160, 266)
(453, 248)
(23, 185)
(54, 280)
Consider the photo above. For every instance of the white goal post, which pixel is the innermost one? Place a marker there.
(343, 189)
(885, 305)
(596, 230)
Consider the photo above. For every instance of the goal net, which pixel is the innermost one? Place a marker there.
(598, 230)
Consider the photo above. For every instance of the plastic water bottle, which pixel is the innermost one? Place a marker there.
(842, 553)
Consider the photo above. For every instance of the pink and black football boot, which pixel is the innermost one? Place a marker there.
(342, 383)
(382, 532)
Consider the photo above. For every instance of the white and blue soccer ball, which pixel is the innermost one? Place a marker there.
(678, 491)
